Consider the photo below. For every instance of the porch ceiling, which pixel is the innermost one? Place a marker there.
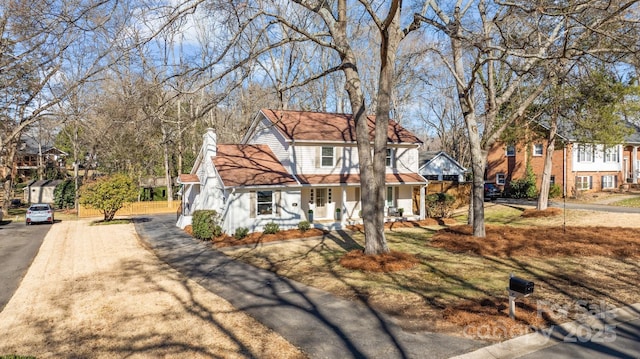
(346, 178)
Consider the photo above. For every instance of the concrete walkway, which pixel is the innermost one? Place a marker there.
(322, 325)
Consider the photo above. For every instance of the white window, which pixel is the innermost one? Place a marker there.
(608, 181)
(389, 196)
(611, 154)
(585, 153)
(583, 183)
(265, 202)
(389, 159)
(511, 150)
(500, 178)
(537, 149)
(326, 159)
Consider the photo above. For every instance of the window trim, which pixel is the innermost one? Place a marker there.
(390, 193)
(258, 203)
(535, 147)
(504, 179)
(579, 179)
(585, 153)
(389, 159)
(613, 181)
(611, 154)
(323, 156)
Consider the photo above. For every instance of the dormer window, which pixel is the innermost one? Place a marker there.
(326, 157)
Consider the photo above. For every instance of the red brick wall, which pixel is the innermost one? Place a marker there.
(515, 167)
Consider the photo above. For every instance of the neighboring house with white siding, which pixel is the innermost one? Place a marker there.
(440, 166)
(293, 166)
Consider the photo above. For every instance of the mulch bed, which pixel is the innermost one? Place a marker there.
(534, 213)
(387, 262)
(507, 241)
(259, 237)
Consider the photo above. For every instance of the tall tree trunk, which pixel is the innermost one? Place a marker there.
(372, 191)
(10, 174)
(543, 198)
(167, 169)
(478, 156)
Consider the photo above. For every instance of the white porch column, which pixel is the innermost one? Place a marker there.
(343, 205)
(634, 164)
(422, 198)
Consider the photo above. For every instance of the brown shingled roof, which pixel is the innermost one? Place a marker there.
(250, 165)
(390, 178)
(321, 126)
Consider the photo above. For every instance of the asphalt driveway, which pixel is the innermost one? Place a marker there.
(19, 244)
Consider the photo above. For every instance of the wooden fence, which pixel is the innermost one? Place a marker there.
(134, 208)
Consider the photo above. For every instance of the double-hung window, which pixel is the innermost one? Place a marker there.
(537, 149)
(511, 150)
(611, 154)
(326, 157)
(585, 153)
(389, 158)
(500, 179)
(608, 182)
(583, 183)
(265, 202)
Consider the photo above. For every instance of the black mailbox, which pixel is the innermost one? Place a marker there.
(521, 286)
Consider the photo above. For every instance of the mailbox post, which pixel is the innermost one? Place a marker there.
(518, 287)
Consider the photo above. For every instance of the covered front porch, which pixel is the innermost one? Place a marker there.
(334, 207)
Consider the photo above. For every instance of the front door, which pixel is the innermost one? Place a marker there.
(321, 203)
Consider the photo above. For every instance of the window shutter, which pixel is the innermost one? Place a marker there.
(590, 183)
(394, 158)
(337, 151)
(602, 182)
(396, 195)
(318, 158)
(278, 195)
(252, 204)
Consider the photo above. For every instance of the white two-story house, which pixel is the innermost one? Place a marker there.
(293, 166)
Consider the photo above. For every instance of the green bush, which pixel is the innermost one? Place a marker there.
(109, 194)
(304, 226)
(440, 205)
(555, 191)
(241, 232)
(271, 228)
(205, 224)
(65, 195)
(524, 187)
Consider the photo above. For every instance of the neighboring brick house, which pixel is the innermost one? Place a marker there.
(576, 166)
(293, 163)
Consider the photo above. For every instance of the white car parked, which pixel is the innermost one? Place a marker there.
(39, 212)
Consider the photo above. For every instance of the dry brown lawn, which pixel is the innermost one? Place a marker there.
(456, 283)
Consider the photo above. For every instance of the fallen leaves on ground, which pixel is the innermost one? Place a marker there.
(386, 262)
(508, 241)
(259, 237)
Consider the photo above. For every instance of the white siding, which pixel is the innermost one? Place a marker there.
(266, 134)
(306, 157)
(237, 214)
(406, 159)
(598, 163)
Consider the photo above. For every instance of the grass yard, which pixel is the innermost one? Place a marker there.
(458, 285)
